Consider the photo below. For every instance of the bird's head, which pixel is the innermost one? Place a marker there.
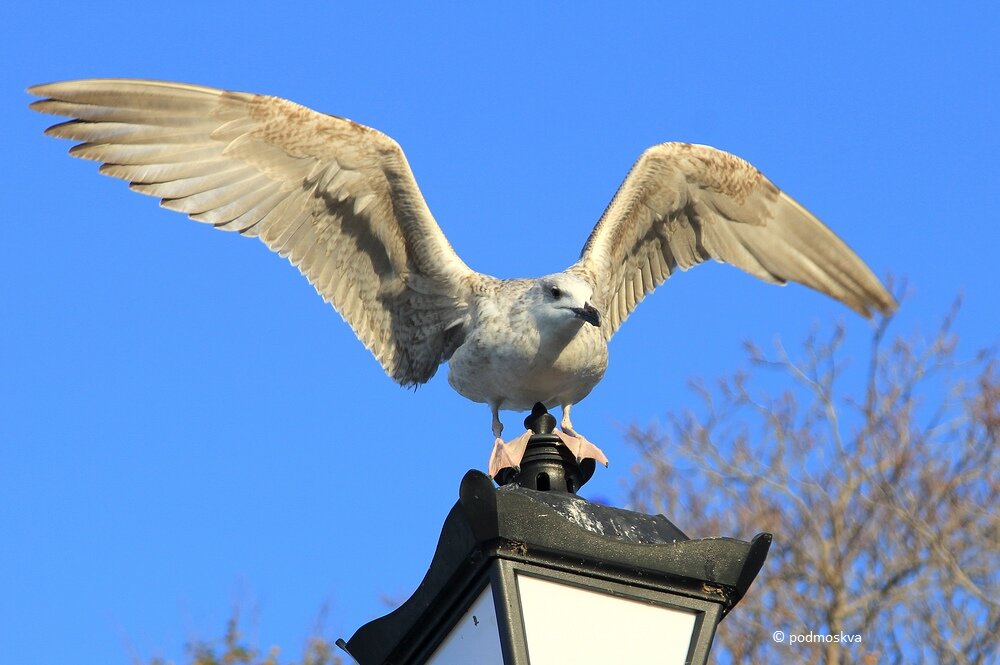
(565, 298)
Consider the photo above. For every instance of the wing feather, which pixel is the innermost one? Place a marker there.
(683, 204)
(335, 197)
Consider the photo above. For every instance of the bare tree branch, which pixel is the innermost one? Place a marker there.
(882, 494)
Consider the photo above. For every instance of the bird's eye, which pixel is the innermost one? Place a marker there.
(556, 292)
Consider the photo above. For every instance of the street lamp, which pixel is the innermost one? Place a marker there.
(532, 573)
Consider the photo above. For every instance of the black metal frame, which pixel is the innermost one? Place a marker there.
(501, 580)
(504, 577)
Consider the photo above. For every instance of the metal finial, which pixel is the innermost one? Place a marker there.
(547, 465)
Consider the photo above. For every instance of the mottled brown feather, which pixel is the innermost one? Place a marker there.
(684, 204)
(337, 198)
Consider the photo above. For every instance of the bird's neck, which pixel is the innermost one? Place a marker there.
(555, 336)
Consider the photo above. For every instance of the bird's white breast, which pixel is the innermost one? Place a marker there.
(508, 360)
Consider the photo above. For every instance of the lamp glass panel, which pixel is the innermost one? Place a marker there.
(474, 639)
(570, 624)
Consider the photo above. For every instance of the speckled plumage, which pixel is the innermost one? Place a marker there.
(338, 200)
(510, 361)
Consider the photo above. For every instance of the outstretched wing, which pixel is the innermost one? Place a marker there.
(683, 204)
(336, 198)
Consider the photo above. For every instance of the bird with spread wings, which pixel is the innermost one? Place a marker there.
(339, 200)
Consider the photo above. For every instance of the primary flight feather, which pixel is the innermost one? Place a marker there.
(339, 200)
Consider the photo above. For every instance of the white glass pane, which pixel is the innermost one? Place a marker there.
(568, 624)
(474, 639)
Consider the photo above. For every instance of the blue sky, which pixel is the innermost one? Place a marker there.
(185, 425)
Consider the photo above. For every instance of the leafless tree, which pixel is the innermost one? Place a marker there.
(883, 503)
(233, 649)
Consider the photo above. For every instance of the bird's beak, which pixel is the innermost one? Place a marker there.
(589, 314)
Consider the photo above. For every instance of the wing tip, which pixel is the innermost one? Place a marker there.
(55, 89)
(874, 303)
(887, 306)
(41, 89)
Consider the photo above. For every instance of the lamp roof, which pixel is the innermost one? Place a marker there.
(562, 531)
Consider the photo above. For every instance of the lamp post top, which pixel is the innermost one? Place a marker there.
(536, 518)
(547, 464)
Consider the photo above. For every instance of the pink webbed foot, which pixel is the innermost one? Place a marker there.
(506, 455)
(581, 447)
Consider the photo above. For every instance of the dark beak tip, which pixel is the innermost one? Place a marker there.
(591, 315)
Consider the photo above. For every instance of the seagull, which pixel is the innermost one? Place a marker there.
(339, 201)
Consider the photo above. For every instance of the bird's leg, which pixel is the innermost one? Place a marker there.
(577, 444)
(505, 454)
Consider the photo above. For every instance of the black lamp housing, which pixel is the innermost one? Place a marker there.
(535, 529)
